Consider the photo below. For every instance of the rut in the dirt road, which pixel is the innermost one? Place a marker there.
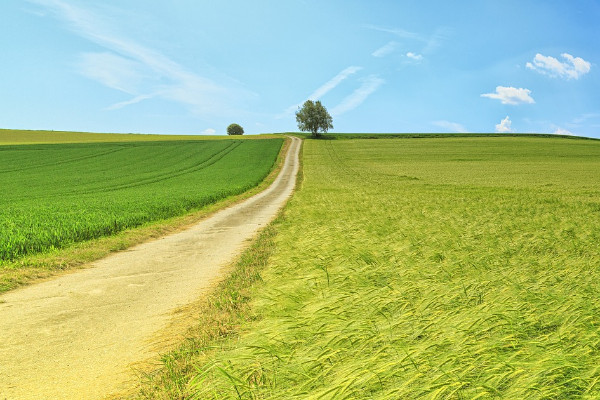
(76, 337)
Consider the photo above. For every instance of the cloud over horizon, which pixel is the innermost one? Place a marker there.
(564, 132)
(511, 95)
(505, 126)
(571, 68)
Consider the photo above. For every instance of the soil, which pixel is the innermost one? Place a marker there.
(80, 336)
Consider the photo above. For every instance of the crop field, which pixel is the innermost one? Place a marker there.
(54, 195)
(455, 268)
(16, 136)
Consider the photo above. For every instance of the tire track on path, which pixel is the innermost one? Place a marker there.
(76, 337)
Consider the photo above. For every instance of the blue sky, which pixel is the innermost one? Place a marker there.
(194, 66)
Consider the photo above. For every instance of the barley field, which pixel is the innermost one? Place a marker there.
(443, 268)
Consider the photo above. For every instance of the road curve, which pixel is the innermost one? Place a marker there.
(76, 337)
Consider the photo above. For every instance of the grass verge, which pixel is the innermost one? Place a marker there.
(222, 314)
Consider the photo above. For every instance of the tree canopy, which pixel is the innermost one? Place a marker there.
(313, 117)
(235, 129)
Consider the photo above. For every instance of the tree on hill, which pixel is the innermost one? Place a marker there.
(313, 117)
(235, 129)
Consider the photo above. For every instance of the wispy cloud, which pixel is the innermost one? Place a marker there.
(368, 87)
(112, 70)
(511, 95)
(333, 82)
(505, 126)
(127, 66)
(209, 131)
(135, 100)
(385, 50)
(451, 126)
(571, 68)
(401, 33)
(429, 42)
(324, 89)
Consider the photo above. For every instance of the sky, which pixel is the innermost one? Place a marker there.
(388, 66)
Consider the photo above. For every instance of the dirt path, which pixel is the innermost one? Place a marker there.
(76, 337)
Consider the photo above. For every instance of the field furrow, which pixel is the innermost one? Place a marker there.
(193, 164)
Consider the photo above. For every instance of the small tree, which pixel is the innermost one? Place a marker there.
(235, 129)
(313, 117)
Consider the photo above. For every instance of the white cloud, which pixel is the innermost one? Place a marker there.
(324, 89)
(571, 68)
(505, 126)
(369, 86)
(209, 131)
(451, 126)
(385, 50)
(511, 95)
(413, 56)
(561, 131)
(128, 66)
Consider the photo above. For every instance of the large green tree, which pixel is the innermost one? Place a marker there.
(235, 129)
(313, 117)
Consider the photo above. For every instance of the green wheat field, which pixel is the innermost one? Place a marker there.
(443, 268)
(54, 195)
